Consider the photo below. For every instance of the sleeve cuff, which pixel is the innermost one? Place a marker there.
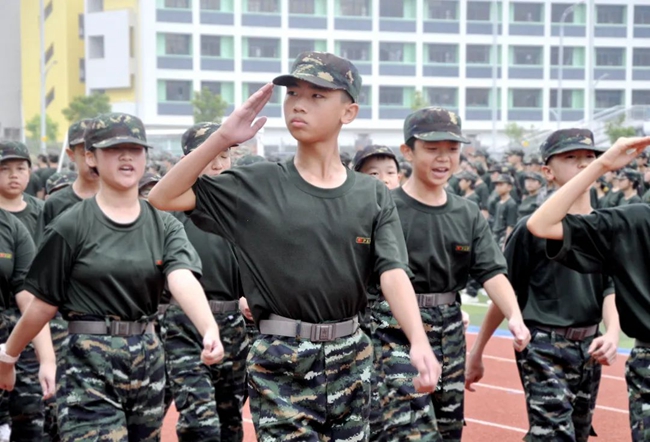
(394, 265)
(39, 294)
(181, 266)
(482, 279)
(557, 249)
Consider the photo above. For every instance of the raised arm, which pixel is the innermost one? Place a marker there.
(174, 191)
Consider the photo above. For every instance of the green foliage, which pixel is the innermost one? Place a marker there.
(87, 106)
(208, 106)
(419, 101)
(616, 130)
(33, 128)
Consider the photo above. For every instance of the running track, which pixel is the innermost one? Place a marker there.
(496, 411)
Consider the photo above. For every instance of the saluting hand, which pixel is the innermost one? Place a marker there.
(7, 376)
(603, 348)
(623, 152)
(213, 351)
(241, 126)
(428, 367)
(47, 378)
(474, 370)
(520, 332)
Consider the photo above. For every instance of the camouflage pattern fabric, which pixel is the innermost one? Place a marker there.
(377, 381)
(196, 135)
(77, 131)
(161, 331)
(59, 180)
(252, 333)
(561, 384)
(567, 140)
(110, 388)
(434, 124)
(303, 390)
(324, 70)
(14, 150)
(109, 130)
(209, 399)
(26, 406)
(4, 397)
(637, 375)
(59, 331)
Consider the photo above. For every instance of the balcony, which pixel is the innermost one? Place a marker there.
(610, 73)
(526, 72)
(387, 112)
(307, 22)
(570, 30)
(567, 115)
(568, 73)
(217, 64)
(533, 29)
(365, 112)
(261, 20)
(526, 114)
(482, 28)
(440, 70)
(396, 24)
(174, 15)
(641, 31)
(262, 65)
(175, 108)
(480, 71)
(353, 23)
(175, 62)
(441, 27)
(480, 114)
(396, 68)
(640, 73)
(217, 18)
(615, 31)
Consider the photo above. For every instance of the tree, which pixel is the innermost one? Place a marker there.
(515, 132)
(419, 101)
(33, 128)
(87, 106)
(208, 106)
(616, 130)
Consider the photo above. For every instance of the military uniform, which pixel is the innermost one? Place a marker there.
(635, 181)
(110, 369)
(446, 245)
(59, 181)
(310, 368)
(530, 203)
(505, 213)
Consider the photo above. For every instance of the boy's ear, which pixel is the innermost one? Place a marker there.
(91, 160)
(351, 112)
(548, 173)
(407, 152)
(70, 153)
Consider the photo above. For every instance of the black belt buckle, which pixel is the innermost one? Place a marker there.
(321, 332)
(120, 328)
(427, 300)
(576, 334)
(217, 307)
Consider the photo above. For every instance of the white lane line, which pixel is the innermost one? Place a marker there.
(492, 424)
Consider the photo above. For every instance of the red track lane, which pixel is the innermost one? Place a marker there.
(496, 411)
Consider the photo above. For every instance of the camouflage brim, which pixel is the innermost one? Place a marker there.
(292, 80)
(16, 157)
(116, 141)
(441, 136)
(572, 147)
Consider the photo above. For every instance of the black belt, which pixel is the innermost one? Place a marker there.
(113, 328)
(435, 299)
(281, 326)
(218, 306)
(638, 343)
(571, 333)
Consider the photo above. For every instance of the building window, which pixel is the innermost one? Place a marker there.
(607, 99)
(442, 96)
(178, 90)
(444, 54)
(95, 5)
(478, 11)
(263, 48)
(82, 70)
(254, 87)
(49, 97)
(641, 57)
(527, 55)
(355, 8)
(477, 97)
(567, 55)
(528, 12)
(610, 14)
(364, 96)
(306, 7)
(610, 56)
(442, 10)
(47, 10)
(178, 44)
(567, 98)
(391, 52)
(641, 97)
(527, 98)
(557, 9)
(96, 47)
(355, 50)
(478, 54)
(642, 15)
(211, 5)
(263, 6)
(297, 47)
(12, 133)
(211, 46)
(49, 53)
(391, 9)
(81, 25)
(178, 4)
(212, 86)
(391, 95)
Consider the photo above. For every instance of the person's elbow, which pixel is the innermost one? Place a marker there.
(156, 198)
(538, 228)
(534, 227)
(181, 203)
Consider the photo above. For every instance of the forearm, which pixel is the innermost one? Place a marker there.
(546, 222)
(610, 315)
(502, 294)
(491, 322)
(398, 291)
(189, 294)
(32, 322)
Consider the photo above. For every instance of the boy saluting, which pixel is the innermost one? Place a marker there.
(336, 230)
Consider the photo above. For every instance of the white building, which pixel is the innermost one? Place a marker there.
(442, 48)
(11, 119)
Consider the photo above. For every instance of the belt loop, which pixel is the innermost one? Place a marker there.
(298, 329)
(107, 321)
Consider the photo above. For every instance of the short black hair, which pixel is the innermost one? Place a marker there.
(382, 156)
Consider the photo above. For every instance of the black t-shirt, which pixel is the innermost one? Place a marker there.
(612, 199)
(34, 185)
(616, 242)
(454, 184)
(55, 205)
(549, 293)
(646, 197)
(634, 199)
(304, 252)
(16, 254)
(30, 214)
(483, 194)
(475, 199)
(43, 174)
(447, 244)
(528, 205)
(107, 269)
(220, 280)
(505, 216)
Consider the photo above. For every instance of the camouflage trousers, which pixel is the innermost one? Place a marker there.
(637, 375)
(5, 419)
(377, 380)
(310, 391)
(59, 331)
(561, 384)
(161, 329)
(209, 399)
(26, 406)
(110, 388)
(408, 415)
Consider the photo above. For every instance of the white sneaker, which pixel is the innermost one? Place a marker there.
(5, 433)
(467, 299)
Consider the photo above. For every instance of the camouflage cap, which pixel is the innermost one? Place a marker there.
(504, 178)
(434, 124)
(481, 152)
(250, 159)
(324, 70)
(567, 140)
(629, 173)
(502, 168)
(14, 150)
(148, 178)
(59, 180)
(373, 151)
(534, 160)
(77, 131)
(108, 130)
(196, 135)
(534, 176)
(467, 175)
(515, 151)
